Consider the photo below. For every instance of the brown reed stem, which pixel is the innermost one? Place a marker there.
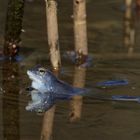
(80, 26)
(52, 30)
(129, 30)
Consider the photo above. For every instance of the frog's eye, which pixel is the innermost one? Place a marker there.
(41, 71)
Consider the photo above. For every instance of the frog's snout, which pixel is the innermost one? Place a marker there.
(28, 72)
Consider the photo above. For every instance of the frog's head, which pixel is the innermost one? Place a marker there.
(41, 77)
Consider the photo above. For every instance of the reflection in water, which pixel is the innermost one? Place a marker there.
(129, 31)
(47, 125)
(48, 119)
(11, 101)
(76, 102)
(80, 36)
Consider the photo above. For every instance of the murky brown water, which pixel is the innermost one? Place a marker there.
(100, 120)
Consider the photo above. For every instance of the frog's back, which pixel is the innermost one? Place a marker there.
(66, 91)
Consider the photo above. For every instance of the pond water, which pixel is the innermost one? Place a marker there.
(112, 59)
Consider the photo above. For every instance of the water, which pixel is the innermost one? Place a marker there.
(100, 119)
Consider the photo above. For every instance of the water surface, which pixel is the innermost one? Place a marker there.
(100, 119)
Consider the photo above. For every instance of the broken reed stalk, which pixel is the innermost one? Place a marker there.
(80, 26)
(52, 29)
(76, 102)
(13, 27)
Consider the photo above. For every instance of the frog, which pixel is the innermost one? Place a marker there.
(45, 81)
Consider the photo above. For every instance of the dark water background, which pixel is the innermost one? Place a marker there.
(101, 120)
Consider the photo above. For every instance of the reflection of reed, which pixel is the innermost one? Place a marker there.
(47, 126)
(76, 102)
(80, 36)
(129, 31)
(11, 101)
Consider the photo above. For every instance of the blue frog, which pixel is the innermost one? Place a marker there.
(45, 81)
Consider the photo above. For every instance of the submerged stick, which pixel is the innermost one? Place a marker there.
(52, 29)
